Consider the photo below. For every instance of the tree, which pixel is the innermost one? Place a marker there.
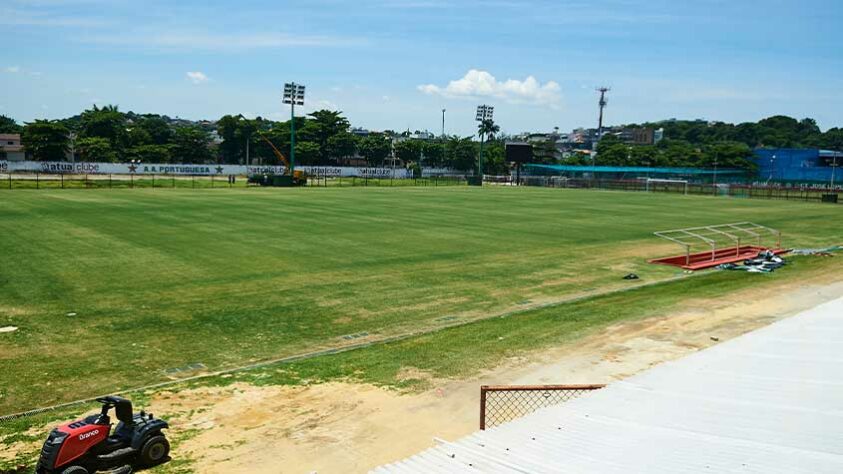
(728, 155)
(278, 135)
(409, 151)
(231, 148)
(611, 151)
(108, 123)
(775, 131)
(46, 140)
(326, 124)
(96, 149)
(461, 153)
(157, 128)
(307, 153)
(137, 136)
(544, 152)
(487, 129)
(150, 153)
(494, 158)
(577, 158)
(190, 145)
(8, 125)
(832, 139)
(434, 153)
(246, 134)
(375, 148)
(342, 146)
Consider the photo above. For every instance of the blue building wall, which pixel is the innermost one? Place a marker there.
(796, 164)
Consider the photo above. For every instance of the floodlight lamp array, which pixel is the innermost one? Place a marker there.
(485, 112)
(293, 94)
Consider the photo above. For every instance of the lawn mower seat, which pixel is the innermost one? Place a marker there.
(122, 407)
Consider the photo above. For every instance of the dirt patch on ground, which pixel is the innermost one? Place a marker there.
(414, 373)
(340, 427)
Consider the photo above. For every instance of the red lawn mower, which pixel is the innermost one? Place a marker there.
(87, 445)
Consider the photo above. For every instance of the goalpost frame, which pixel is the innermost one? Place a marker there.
(647, 182)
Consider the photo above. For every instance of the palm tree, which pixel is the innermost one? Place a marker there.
(486, 128)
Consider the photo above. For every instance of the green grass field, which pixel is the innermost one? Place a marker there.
(163, 279)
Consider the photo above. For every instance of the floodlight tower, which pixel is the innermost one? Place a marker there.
(293, 95)
(484, 112)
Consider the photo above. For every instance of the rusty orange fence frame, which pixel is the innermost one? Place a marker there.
(524, 393)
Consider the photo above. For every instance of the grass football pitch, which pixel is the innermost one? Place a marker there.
(113, 289)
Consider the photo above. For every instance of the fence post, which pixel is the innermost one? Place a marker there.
(109, 180)
(482, 407)
(37, 184)
(87, 184)
(132, 181)
(192, 181)
(212, 181)
(174, 181)
(153, 181)
(62, 180)
(10, 180)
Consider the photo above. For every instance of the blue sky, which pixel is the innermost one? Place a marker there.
(396, 64)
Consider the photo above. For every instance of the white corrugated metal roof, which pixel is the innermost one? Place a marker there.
(770, 401)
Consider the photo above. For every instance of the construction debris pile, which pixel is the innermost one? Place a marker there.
(765, 262)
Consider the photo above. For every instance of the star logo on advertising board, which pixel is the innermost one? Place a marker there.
(219, 169)
(132, 168)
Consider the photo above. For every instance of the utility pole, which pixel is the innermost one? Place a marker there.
(772, 167)
(715, 173)
(833, 168)
(72, 137)
(443, 123)
(601, 104)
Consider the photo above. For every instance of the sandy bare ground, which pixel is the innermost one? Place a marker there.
(342, 427)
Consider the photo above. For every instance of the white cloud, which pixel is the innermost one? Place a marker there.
(197, 77)
(201, 41)
(12, 69)
(477, 84)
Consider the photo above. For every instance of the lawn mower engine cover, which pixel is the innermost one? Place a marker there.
(68, 442)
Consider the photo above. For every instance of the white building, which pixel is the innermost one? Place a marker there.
(11, 148)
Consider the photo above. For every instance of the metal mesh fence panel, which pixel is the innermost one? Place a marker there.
(500, 404)
(792, 192)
